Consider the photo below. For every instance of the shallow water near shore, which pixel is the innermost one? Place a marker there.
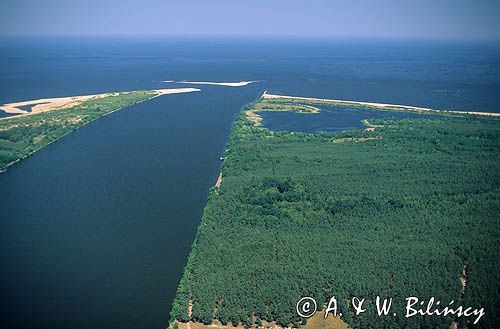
(96, 228)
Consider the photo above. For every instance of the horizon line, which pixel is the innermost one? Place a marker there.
(258, 36)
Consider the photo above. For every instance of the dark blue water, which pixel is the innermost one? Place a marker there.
(430, 74)
(330, 119)
(95, 228)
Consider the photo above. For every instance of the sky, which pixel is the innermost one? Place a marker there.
(421, 19)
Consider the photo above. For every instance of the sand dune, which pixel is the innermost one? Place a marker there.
(49, 104)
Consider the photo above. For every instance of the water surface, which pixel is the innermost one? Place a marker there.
(330, 119)
(95, 229)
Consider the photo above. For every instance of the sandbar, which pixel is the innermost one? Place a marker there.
(49, 104)
(376, 105)
(227, 84)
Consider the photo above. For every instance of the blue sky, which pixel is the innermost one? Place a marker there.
(435, 19)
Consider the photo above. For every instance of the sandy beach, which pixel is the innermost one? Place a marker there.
(168, 91)
(227, 84)
(376, 105)
(49, 104)
(219, 180)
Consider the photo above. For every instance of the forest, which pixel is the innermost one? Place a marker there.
(20, 136)
(409, 208)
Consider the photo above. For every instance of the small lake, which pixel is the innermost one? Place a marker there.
(331, 119)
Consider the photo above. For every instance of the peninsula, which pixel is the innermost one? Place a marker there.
(227, 84)
(405, 207)
(368, 105)
(50, 119)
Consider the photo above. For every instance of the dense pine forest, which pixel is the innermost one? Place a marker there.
(410, 208)
(22, 135)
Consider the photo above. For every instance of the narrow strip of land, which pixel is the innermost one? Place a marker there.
(53, 118)
(373, 105)
(227, 84)
(58, 103)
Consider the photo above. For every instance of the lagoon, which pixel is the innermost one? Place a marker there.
(329, 119)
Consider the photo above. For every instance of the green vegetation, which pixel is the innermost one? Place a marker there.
(400, 214)
(281, 105)
(350, 104)
(266, 105)
(21, 136)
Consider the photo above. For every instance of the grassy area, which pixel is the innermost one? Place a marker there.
(408, 210)
(23, 135)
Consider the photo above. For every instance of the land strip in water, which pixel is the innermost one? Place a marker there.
(53, 118)
(226, 84)
(368, 105)
(60, 103)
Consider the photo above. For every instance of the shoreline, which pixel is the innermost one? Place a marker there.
(383, 106)
(219, 180)
(156, 93)
(64, 135)
(58, 103)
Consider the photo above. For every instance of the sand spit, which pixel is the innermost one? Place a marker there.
(46, 104)
(376, 105)
(254, 117)
(227, 84)
(49, 104)
(168, 91)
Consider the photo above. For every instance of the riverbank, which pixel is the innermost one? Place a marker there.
(24, 134)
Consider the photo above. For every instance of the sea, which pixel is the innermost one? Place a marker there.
(95, 229)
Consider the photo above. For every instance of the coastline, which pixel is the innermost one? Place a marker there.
(381, 106)
(59, 103)
(155, 93)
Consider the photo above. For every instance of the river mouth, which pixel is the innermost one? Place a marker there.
(329, 119)
(98, 225)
